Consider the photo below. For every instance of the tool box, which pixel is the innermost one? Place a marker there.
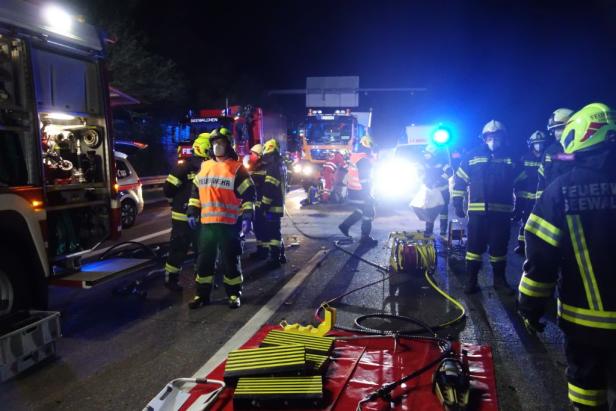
(26, 339)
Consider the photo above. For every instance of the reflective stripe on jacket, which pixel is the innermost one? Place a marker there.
(353, 182)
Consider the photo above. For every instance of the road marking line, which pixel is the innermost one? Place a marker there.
(264, 314)
(138, 239)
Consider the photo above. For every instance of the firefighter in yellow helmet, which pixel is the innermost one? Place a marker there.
(569, 246)
(222, 198)
(359, 185)
(270, 202)
(490, 174)
(177, 188)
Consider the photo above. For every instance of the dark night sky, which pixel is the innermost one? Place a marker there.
(515, 61)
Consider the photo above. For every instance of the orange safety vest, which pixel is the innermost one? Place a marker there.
(353, 182)
(216, 182)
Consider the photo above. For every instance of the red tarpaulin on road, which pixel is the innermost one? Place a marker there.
(359, 367)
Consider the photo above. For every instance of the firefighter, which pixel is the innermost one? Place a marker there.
(568, 243)
(359, 186)
(554, 161)
(223, 195)
(328, 176)
(258, 173)
(177, 188)
(271, 202)
(525, 197)
(436, 173)
(489, 173)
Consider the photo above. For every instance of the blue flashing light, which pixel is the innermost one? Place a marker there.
(441, 136)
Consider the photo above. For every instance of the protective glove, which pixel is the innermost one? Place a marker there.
(532, 324)
(192, 222)
(246, 226)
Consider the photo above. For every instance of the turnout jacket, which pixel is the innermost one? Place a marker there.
(437, 172)
(490, 179)
(271, 198)
(554, 163)
(221, 192)
(527, 189)
(178, 186)
(569, 242)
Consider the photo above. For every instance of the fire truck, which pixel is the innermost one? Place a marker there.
(250, 126)
(58, 186)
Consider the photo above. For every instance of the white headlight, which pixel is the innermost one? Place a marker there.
(58, 19)
(297, 168)
(396, 179)
(307, 170)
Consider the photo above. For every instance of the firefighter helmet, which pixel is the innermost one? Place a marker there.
(559, 118)
(222, 132)
(493, 126)
(257, 149)
(270, 146)
(366, 141)
(536, 137)
(592, 125)
(202, 145)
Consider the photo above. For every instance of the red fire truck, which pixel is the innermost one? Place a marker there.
(58, 187)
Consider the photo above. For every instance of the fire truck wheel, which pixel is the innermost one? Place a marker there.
(14, 293)
(129, 213)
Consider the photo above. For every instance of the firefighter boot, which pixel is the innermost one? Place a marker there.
(500, 279)
(274, 261)
(443, 226)
(283, 257)
(198, 302)
(234, 301)
(472, 272)
(172, 282)
(366, 228)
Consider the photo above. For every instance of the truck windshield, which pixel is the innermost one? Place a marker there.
(334, 132)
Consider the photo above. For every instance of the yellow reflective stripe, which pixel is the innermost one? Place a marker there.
(504, 208)
(578, 239)
(457, 193)
(462, 174)
(589, 318)
(276, 210)
(476, 207)
(247, 206)
(171, 179)
(266, 200)
(445, 176)
(502, 160)
(547, 159)
(232, 281)
(592, 398)
(272, 180)
(204, 279)
(219, 204)
(194, 202)
(477, 160)
(534, 288)
(532, 164)
(538, 194)
(275, 243)
(525, 194)
(259, 172)
(172, 269)
(473, 256)
(541, 171)
(543, 229)
(520, 177)
(498, 258)
(178, 216)
(521, 237)
(245, 184)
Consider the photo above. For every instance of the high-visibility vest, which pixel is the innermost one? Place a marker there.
(353, 182)
(216, 182)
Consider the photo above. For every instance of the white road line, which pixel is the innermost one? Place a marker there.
(264, 314)
(138, 239)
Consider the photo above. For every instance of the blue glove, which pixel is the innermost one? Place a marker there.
(193, 223)
(246, 226)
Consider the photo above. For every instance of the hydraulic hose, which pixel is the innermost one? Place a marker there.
(113, 250)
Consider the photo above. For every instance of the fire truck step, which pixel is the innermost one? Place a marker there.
(97, 272)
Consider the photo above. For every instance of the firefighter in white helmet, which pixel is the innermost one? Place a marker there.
(489, 173)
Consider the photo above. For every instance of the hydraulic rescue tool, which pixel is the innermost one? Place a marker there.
(451, 384)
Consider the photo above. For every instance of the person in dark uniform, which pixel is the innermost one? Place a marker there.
(177, 188)
(436, 173)
(569, 246)
(554, 162)
(489, 173)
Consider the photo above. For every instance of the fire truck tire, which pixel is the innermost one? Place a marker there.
(14, 294)
(129, 213)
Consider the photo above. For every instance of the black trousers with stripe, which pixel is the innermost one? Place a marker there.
(488, 231)
(182, 238)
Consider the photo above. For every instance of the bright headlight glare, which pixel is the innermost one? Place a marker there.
(58, 19)
(396, 178)
(307, 170)
(297, 168)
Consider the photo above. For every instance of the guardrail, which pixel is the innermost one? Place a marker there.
(152, 188)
